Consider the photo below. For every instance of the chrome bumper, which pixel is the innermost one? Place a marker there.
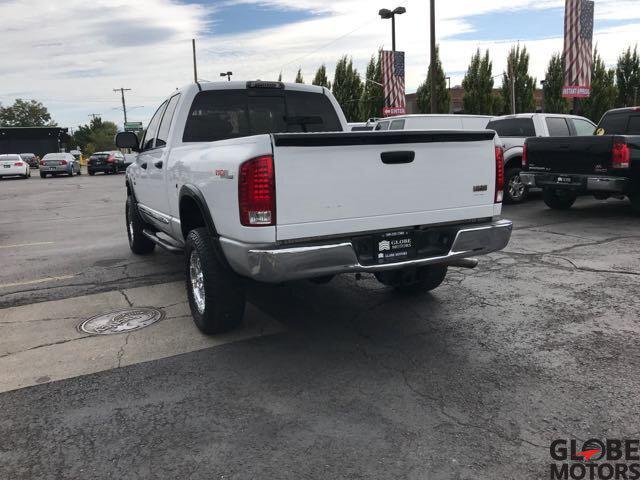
(275, 265)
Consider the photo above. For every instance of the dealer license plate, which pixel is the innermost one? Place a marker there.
(395, 246)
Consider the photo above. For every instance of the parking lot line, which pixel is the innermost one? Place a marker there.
(39, 280)
(26, 245)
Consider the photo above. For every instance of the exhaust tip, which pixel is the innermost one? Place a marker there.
(464, 263)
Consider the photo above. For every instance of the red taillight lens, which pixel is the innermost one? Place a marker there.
(621, 157)
(257, 192)
(62, 162)
(525, 160)
(110, 159)
(18, 164)
(41, 162)
(499, 174)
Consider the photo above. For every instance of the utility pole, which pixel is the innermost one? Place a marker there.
(195, 68)
(513, 89)
(434, 100)
(124, 106)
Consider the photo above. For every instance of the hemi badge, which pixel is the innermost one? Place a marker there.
(224, 174)
(480, 188)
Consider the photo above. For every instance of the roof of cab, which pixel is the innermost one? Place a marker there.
(243, 85)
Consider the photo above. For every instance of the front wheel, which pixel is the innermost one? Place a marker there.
(558, 199)
(216, 294)
(138, 242)
(415, 280)
(514, 191)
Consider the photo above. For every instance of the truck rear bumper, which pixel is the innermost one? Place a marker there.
(274, 265)
(577, 183)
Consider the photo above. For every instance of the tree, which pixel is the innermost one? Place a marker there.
(423, 94)
(628, 77)
(299, 78)
(96, 137)
(321, 77)
(25, 113)
(372, 100)
(525, 85)
(554, 102)
(347, 88)
(478, 86)
(603, 90)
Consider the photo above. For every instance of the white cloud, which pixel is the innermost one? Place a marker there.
(72, 54)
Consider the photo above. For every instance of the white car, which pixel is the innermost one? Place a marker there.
(230, 174)
(12, 165)
(434, 122)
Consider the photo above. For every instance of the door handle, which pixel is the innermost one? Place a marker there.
(143, 165)
(158, 164)
(393, 158)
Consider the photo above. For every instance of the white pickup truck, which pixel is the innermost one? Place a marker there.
(229, 174)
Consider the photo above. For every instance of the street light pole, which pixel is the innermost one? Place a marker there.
(195, 68)
(434, 100)
(385, 13)
(226, 74)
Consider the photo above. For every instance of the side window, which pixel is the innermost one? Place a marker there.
(152, 129)
(557, 127)
(397, 125)
(382, 126)
(583, 128)
(163, 131)
(613, 124)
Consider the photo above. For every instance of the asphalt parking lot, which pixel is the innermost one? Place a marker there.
(344, 380)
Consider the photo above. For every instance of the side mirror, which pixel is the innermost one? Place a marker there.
(128, 140)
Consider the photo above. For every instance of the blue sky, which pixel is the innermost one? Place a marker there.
(74, 60)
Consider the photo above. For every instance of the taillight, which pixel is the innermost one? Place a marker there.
(525, 160)
(110, 159)
(62, 162)
(41, 162)
(257, 192)
(621, 157)
(18, 164)
(499, 174)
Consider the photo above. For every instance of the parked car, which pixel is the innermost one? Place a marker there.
(515, 129)
(12, 165)
(59, 164)
(434, 122)
(31, 158)
(106, 162)
(604, 165)
(228, 174)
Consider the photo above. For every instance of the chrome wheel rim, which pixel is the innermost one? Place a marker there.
(130, 227)
(197, 281)
(516, 187)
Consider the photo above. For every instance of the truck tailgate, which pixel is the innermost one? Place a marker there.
(581, 155)
(332, 184)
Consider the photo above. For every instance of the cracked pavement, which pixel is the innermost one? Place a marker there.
(473, 380)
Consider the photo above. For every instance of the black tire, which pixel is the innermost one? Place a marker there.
(43, 175)
(80, 171)
(91, 172)
(635, 203)
(416, 280)
(222, 307)
(138, 242)
(558, 199)
(514, 190)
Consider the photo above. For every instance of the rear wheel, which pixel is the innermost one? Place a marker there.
(216, 294)
(138, 242)
(558, 199)
(414, 280)
(514, 191)
(91, 172)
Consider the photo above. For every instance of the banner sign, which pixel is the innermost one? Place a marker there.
(392, 65)
(578, 55)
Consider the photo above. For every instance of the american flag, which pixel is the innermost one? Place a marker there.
(392, 66)
(578, 55)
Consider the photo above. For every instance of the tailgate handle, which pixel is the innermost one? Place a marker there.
(393, 158)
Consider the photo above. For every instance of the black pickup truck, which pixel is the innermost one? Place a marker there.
(604, 165)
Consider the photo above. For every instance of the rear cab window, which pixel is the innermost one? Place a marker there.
(513, 127)
(224, 114)
(382, 126)
(397, 125)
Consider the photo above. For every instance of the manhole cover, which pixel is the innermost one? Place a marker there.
(121, 321)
